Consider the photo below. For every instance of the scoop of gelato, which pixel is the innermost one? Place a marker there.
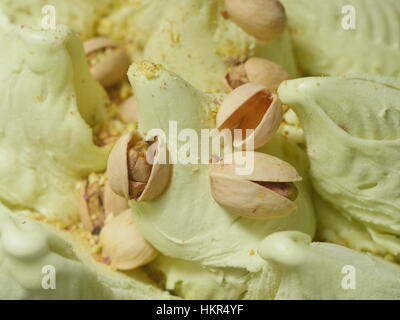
(345, 36)
(48, 105)
(192, 38)
(81, 15)
(319, 271)
(352, 130)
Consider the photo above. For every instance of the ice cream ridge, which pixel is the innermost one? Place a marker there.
(80, 197)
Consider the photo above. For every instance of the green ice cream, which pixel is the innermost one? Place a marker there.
(324, 47)
(81, 15)
(352, 129)
(206, 233)
(193, 39)
(319, 271)
(28, 248)
(48, 103)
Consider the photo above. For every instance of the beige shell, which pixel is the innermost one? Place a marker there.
(240, 194)
(113, 203)
(113, 66)
(263, 19)
(250, 106)
(92, 218)
(117, 170)
(123, 245)
(258, 70)
(129, 110)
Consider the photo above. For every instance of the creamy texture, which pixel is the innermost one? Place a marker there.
(206, 233)
(81, 15)
(193, 39)
(48, 101)
(324, 47)
(320, 271)
(27, 246)
(352, 129)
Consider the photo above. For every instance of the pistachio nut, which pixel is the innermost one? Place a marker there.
(122, 244)
(258, 70)
(128, 110)
(113, 203)
(108, 61)
(250, 106)
(130, 174)
(266, 192)
(91, 199)
(263, 19)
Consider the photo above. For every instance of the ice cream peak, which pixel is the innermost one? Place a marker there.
(351, 126)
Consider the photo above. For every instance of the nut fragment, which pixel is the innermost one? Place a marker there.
(123, 245)
(267, 192)
(108, 61)
(263, 19)
(257, 70)
(131, 176)
(91, 206)
(252, 107)
(129, 110)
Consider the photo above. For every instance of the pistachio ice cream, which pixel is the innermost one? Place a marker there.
(93, 188)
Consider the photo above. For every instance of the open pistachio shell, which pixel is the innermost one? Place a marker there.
(118, 171)
(247, 194)
(123, 245)
(263, 19)
(113, 66)
(250, 106)
(113, 203)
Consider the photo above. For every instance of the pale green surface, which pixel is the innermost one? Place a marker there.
(81, 15)
(193, 39)
(26, 246)
(48, 100)
(352, 129)
(323, 47)
(315, 270)
(185, 222)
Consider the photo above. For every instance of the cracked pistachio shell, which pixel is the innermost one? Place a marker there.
(117, 170)
(129, 110)
(258, 70)
(113, 203)
(240, 194)
(263, 19)
(113, 66)
(250, 106)
(123, 245)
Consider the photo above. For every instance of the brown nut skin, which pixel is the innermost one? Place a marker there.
(257, 70)
(91, 207)
(263, 19)
(250, 106)
(122, 171)
(113, 66)
(245, 194)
